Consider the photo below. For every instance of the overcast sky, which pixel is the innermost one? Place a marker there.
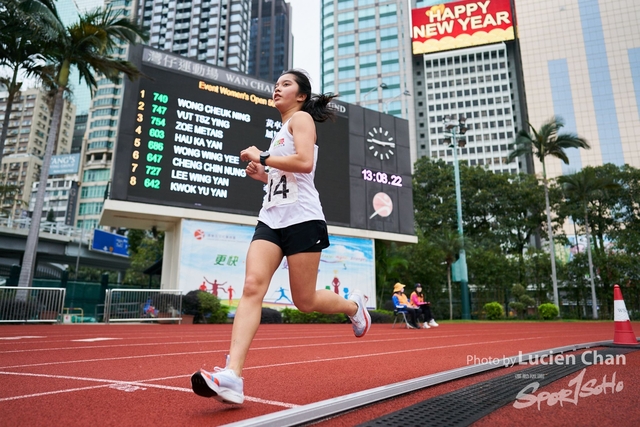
(305, 26)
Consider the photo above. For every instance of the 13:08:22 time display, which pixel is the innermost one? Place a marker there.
(381, 177)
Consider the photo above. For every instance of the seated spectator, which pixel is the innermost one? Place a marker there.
(417, 300)
(400, 301)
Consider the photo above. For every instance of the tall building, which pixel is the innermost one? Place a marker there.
(270, 43)
(366, 56)
(214, 31)
(478, 81)
(581, 62)
(29, 125)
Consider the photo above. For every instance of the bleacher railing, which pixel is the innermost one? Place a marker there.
(148, 305)
(32, 305)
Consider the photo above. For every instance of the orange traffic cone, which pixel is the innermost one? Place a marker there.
(623, 333)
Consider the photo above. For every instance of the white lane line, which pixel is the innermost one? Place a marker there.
(115, 383)
(268, 348)
(95, 339)
(348, 339)
(18, 338)
(271, 337)
(48, 393)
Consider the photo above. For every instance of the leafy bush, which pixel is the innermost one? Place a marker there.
(548, 311)
(493, 310)
(381, 316)
(190, 303)
(269, 315)
(290, 315)
(211, 309)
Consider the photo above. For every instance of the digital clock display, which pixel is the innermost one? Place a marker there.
(381, 177)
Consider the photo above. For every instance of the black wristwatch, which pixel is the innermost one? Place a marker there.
(263, 157)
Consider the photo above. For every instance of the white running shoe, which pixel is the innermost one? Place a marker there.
(426, 326)
(362, 319)
(222, 384)
(433, 323)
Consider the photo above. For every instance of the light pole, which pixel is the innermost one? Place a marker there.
(385, 108)
(452, 128)
(381, 85)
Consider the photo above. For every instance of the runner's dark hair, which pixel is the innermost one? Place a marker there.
(316, 105)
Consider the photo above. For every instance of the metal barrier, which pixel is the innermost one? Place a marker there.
(138, 305)
(33, 305)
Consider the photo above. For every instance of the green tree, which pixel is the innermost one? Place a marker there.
(585, 188)
(27, 26)
(449, 243)
(542, 143)
(90, 45)
(389, 264)
(145, 249)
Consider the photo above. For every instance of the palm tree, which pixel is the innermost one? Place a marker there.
(89, 45)
(22, 46)
(450, 243)
(547, 141)
(585, 187)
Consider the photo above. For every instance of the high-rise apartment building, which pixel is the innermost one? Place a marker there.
(270, 44)
(366, 56)
(581, 62)
(214, 31)
(29, 125)
(480, 82)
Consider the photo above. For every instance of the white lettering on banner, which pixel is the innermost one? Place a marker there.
(182, 138)
(190, 105)
(183, 188)
(214, 144)
(186, 163)
(186, 151)
(210, 155)
(199, 177)
(183, 175)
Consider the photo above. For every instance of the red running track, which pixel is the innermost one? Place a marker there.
(131, 375)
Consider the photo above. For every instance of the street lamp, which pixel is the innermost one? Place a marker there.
(385, 108)
(381, 85)
(453, 128)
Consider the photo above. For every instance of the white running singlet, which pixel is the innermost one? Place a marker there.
(291, 197)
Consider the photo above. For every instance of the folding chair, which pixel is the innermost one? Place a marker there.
(400, 312)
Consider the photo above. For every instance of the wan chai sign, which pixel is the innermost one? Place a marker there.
(461, 24)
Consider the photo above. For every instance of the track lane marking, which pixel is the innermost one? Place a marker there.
(110, 383)
(226, 341)
(264, 348)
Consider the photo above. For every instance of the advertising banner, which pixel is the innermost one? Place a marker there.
(64, 164)
(461, 24)
(213, 259)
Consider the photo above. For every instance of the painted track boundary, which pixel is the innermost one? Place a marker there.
(331, 407)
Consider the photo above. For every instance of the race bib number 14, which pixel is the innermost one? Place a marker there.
(282, 189)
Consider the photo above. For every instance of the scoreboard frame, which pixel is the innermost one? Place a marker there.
(363, 171)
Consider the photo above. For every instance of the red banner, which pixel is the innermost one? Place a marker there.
(461, 24)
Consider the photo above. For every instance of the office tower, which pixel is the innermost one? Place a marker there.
(214, 31)
(478, 79)
(29, 125)
(270, 44)
(581, 62)
(366, 56)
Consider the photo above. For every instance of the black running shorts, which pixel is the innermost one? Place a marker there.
(309, 236)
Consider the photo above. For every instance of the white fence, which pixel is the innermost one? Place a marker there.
(33, 305)
(137, 305)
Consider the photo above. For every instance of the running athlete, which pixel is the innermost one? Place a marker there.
(291, 224)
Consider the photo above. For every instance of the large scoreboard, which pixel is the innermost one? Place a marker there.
(184, 123)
